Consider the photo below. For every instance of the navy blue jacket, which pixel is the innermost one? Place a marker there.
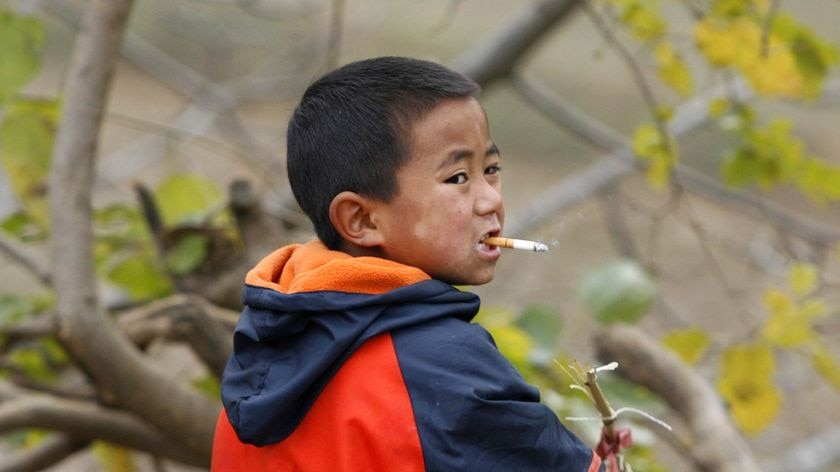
(349, 364)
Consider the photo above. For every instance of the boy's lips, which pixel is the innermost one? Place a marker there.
(486, 250)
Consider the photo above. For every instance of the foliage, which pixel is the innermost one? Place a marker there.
(776, 55)
(21, 40)
(747, 368)
(113, 458)
(690, 343)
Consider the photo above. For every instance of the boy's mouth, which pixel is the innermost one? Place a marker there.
(484, 246)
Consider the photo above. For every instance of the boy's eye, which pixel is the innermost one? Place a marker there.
(494, 169)
(459, 178)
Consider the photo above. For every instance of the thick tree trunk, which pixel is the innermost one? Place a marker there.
(119, 371)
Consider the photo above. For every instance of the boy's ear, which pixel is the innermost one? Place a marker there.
(350, 216)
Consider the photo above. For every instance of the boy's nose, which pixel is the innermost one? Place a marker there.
(489, 199)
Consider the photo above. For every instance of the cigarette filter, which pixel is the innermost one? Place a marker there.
(511, 243)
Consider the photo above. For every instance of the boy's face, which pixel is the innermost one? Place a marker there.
(449, 197)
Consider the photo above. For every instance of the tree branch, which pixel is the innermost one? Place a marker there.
(23, 256)
(50, 451)
(87, 422)
(30, 328)
(125, 379)
(205, 327)
(688, 116)
(716, 444)
(810, 455)
(497, 56)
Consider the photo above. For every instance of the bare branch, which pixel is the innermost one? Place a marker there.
(30, 328)
(688, 116)
(23, 256)
(204, 326)
(496, 57)
(811, 455)
(50, 451)
(716, 444)
(87, 422)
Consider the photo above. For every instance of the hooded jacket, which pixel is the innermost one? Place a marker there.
(348, 364)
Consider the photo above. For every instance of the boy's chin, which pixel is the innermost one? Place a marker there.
(473, 280)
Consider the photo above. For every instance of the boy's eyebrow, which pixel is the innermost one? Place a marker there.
(460, 154)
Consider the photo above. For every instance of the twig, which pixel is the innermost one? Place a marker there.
(190, 318)
(767, 29)
(22, 256)
(497, 56)
(687, 117)
(636, 73)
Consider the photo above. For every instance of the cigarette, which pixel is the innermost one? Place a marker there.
(516, 244)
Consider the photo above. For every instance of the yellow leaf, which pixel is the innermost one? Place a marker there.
(672, 69)
(767, 63)
(690, 344)
(644, 22)
(649, 144)
(802, 278)
(788, 325)
(717, 43)
(747, 386)
(776, 301)
(718, 107)
(826, 365)
(114, 458)
(514, 344)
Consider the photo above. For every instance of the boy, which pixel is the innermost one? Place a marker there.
(354, 352)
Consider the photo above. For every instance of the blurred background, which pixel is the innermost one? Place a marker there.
(727, 259)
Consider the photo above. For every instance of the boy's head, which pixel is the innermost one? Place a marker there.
(391, 157)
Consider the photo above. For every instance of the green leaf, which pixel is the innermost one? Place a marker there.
(187, 253)
(26, 141)
(187, 198)
(210, 386)
(33, 363)
(23, 227)
(814, 56)
(619, 291)
(542, 323)
(140, 277)
(21, 42)
(14, 308)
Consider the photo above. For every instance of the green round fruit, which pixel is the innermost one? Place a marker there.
(619, 291)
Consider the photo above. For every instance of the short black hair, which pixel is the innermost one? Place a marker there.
(351, 130)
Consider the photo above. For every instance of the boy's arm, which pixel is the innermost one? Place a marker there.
(473, 410)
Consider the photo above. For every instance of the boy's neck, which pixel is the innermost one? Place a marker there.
(359, 251)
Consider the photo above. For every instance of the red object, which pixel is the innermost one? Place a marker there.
(609, 447)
